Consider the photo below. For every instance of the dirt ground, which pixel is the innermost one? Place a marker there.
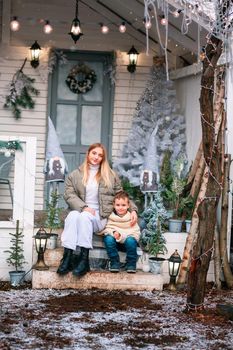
(98, 319)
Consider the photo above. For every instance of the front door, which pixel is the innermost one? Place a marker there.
(83, 118)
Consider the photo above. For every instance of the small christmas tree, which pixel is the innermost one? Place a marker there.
(16, 256)
(153, 219)
(53, 219)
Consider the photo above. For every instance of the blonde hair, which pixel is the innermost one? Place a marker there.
(104, 171)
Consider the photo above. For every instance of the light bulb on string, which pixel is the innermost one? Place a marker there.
(202, 54)
(148, 24)
(176, 13)
(104, 28)
(47, 27)
(163, 21)
(14, 24)
(122, 27)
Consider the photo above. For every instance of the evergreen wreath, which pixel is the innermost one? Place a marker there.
(21, 90)
(81, 79)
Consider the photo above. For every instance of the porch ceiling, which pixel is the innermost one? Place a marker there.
(60, 13)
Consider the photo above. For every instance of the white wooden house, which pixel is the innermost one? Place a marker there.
(116, 102)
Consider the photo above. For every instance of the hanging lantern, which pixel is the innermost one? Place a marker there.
(76, 31)
(35, 54)
(133, 57)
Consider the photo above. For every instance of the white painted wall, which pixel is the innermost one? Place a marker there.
(188, 93)
(24, 199)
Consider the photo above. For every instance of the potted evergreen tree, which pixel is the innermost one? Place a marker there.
(16, 257)
(173, 182)
(152, 240)
(53, 219)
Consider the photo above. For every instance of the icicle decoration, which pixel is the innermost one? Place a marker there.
(208, 14)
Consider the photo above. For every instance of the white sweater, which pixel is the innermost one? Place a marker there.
(92, 188)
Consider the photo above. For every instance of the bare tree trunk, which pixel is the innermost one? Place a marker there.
(217, 264)
(201, 177)
(195, 164)
(198, 177)
(207, 208)
(192, 234)
(224, 219)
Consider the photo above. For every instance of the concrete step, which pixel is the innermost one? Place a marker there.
(140, 281)
(53, 256)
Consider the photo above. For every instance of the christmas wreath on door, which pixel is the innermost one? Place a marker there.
(81, 79)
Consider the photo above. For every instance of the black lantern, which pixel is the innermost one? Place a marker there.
(76, 31)
(133, 57)
(40, 242)
(173, 265)
(35, 54)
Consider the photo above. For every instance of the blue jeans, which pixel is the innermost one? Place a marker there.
(129, 246)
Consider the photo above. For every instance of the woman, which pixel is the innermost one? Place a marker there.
(89, 193)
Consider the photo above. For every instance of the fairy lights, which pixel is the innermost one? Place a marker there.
(47, 27)
(208, 14)
(104, 28)
(206, 254)
(14, 24)
(122, 27)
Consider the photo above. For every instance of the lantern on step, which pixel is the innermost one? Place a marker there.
(41, 238)
(174, 265)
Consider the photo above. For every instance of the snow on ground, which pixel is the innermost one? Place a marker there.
(117, 320)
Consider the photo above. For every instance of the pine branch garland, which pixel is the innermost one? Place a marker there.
(13, 145)
(21, 92)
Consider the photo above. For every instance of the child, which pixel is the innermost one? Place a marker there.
(120, 232)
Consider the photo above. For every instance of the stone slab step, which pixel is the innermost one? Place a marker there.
(140, 281)
(53, 256)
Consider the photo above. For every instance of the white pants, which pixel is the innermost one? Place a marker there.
(79, 229)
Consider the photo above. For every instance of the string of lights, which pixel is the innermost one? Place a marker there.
(203, 254)
(16, 24)
(194, 307)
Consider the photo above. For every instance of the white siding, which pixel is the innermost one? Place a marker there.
(32, 122)
(129, 88)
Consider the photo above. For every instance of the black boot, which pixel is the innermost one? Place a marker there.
(76, 257)
(66, 262)
(83, 266)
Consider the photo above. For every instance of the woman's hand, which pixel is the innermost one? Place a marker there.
(133, 218)
(90, 210)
